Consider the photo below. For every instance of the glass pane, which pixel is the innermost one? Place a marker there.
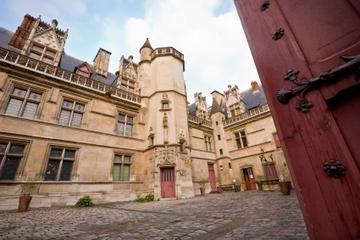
(19, 92)
(64, 117)
(56, 152)
(51, 170)
(13, 107)
(129, 120)
(117, 159)
(34, 96)
(126, 173)
(120, 128)
(121, 118)
(2, 148)
(38, 48)
(50, 53)
(70, 154)
(79, 107)
(244, 140)
(16, 148)
(127, 159)
(30, 110)
(116, 172)
(34, 55)
(128, 130)
(10, 167)
(76, 120)
(47, 60)
(66, 170)
(68, 104)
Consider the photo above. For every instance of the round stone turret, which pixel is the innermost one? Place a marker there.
(145, 51)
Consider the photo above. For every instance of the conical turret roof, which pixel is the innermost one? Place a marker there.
(146, 44)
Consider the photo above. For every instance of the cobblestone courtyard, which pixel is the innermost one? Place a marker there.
(243, 215)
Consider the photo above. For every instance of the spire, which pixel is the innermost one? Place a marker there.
(146, 44)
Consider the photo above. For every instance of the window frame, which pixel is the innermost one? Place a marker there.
(49, 157)
(21, 164)
(126, 84)
(122, 164)
(72, 111)
(24, 100)
(125, 123)
(208, 140)
(239, 139)
(43, 54)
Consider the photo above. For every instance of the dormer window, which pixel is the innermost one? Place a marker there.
(42, 53)
(83, 70)
(126, 85)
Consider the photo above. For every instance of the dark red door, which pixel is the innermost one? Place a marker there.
(167, 183)
(294, 43)
(249, 178)
(212, 178)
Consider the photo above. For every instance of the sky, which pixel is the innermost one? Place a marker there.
(207, 32)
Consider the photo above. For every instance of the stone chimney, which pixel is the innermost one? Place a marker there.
(22, 33)
(101, 62)
(217, 96)
(254, 86)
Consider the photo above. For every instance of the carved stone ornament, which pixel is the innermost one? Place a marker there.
(165, 156)
(165, 121)
(352, 66)
(182, 172)
(165, 98)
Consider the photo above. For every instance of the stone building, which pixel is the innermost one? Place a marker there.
(73, 128)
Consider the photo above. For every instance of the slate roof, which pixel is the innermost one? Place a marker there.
(5, 36)
(67, 62)
(216, 107)
(192, 109)
(146, 44)
(253, 99)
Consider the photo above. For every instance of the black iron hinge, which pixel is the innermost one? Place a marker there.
(351, 66)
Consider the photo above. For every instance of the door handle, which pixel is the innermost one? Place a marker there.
(351, 66)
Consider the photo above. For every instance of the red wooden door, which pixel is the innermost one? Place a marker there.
(167, 182)
(249, 178)
(212, 178)
(309, 36)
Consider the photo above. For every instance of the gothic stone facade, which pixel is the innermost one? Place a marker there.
(72, 128)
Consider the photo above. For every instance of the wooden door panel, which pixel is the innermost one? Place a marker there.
(309, 140)
(212, 178)
(345, 109)
(334, 33)
(167, 182)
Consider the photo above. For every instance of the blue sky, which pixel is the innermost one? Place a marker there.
(208, 32)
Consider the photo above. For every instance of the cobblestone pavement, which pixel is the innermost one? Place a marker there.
(242, 215)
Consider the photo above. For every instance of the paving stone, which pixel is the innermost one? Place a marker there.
(242, 215)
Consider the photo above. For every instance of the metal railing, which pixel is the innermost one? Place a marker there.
(34, 65)
(200, 121)
(247, 115)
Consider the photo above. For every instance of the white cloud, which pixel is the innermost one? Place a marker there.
(215, 48)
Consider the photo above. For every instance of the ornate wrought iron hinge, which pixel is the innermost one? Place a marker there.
(334, 169)
(351, 66)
